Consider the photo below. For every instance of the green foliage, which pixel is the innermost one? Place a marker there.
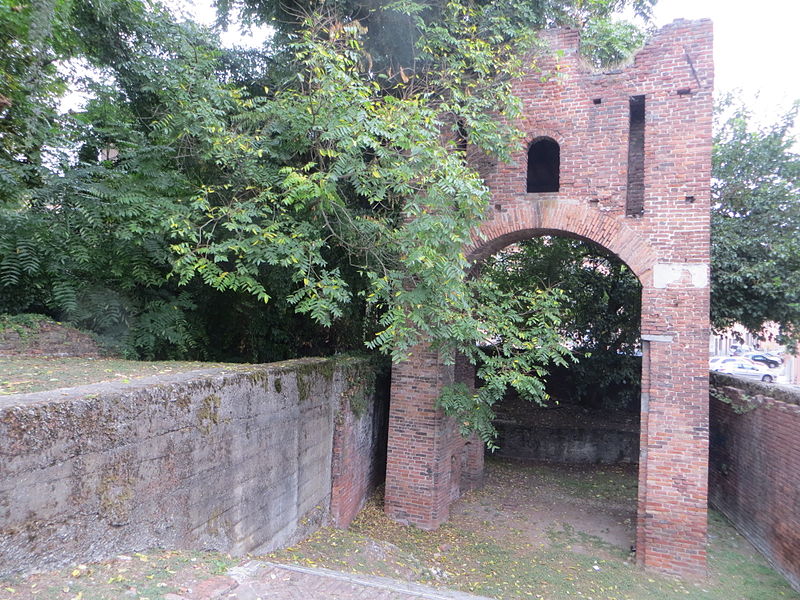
(607, 42)
(33, 38)
(369, 180)
(519, 340)
(393, 25)
(22, 324)
(755, 275)
(264, 205)
(599, 308)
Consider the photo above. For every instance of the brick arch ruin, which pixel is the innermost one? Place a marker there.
(554, 218)
(634, 177)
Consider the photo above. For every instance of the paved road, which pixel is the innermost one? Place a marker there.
(259, 580)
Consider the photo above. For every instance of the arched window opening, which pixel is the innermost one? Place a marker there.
(544, 163)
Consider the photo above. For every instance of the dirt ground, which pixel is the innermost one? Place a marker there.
(543, 531)
(536, 504)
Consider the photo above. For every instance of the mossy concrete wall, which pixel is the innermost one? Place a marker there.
(237, 460)
(754, 474)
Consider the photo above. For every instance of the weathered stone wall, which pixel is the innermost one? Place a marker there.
(565, 431)
(754, 474)
(237, 460)
(570, 445)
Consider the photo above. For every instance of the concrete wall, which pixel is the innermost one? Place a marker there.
(237, 460)
(568, 444)
(754, 475)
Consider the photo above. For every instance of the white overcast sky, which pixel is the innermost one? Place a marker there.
(756, 46)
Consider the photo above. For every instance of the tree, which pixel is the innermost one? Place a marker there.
(393, 28)
(755, 268)
(34, 37)
(599, 311)
(84, 239)
(324, 178)
(371, 175)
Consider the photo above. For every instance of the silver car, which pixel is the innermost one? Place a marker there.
(741, 367)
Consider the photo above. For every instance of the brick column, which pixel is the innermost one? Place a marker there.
(673, 486)
(421, 439)
(472, 452)
(472, 471)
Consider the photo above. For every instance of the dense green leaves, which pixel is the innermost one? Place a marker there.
(520, 341)
(320, 190)
(394, 27)
(607, 42)
(369, 173)
(599, 310)
(755, 272)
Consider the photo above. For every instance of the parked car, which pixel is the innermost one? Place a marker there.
(727, 360)
(716, 359)
(764, 358)
(774, 354)
(742, 367)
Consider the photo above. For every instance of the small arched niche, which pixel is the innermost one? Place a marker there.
(544, 165)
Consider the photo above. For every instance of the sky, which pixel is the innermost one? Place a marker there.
(756, 46)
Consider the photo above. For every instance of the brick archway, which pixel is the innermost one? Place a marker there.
(644, 132)
(567, 219)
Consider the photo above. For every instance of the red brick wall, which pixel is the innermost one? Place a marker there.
(754, 475)
(358, 462)
(667, 247)
(420, 452)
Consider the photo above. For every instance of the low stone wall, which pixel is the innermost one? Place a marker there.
(571, 445)
(565, 433)
(239, 460)
(754, 471)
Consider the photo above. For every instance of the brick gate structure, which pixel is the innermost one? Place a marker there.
(621, 159)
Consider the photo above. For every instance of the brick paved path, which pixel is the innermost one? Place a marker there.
(259, 580)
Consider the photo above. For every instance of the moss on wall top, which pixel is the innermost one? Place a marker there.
(751, 388)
